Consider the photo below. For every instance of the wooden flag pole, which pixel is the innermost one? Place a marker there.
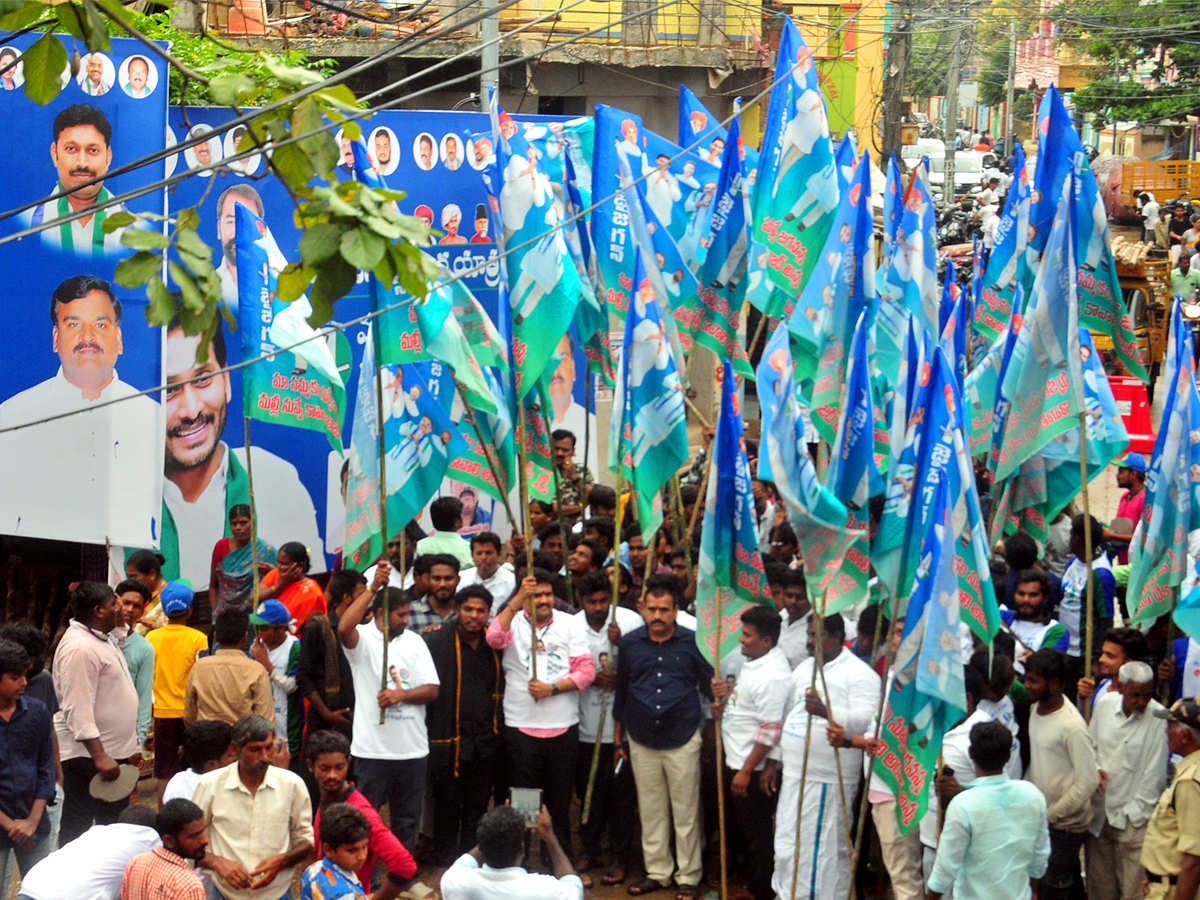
(1089, 628)
(616, 585)
(803, 780)
(501, 485)
(589, 387)
(720, 759)
(253, 523)
(837, 753)
(864, 803)
(383, 527)
(523, 478)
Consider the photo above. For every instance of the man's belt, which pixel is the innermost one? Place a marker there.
(1161, 879)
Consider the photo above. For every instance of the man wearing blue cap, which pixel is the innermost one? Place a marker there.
(176, 649)
(1131, 475)
(279, 652)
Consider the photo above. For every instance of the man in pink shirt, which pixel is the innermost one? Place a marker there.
(541, 725)
(1131, 475)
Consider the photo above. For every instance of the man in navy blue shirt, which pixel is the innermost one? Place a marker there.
(26, 764)
(660, 678)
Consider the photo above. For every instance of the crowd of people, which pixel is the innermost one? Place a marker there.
(479, 691)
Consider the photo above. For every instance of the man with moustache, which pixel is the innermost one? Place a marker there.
(110, 453)
(81, 151)
(383, 148)
(93, 82)
(204, 478)
(139, 76)
(259, 815)
(464, 724)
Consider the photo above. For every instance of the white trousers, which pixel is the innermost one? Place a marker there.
(824, 865)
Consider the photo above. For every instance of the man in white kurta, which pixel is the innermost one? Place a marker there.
(823, 868)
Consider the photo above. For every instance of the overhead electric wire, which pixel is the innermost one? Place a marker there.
(459, 276)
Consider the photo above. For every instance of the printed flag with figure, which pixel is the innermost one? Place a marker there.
(982, 390)
(1007, 263)
(1158, 563)
(1043, 381)
(542, 283)
(364, 529)
(495, 439)
(914, 254)
(1046, 482)
(697, 126)
(852, 475)
(722, 274)
(731, 568)
(300, 386)
(850, 254)
(796, 193)
(893, 211)
(1102, 307)
(676, 289)
(591, 316)
(679, 185)
(927, 696)
(420, 439)
(649, 422)
(835, 557)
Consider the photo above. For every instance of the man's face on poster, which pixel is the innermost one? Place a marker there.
(204, 153)
(138, 74)
(227, 226)
(383, 148)
(451, 151)
(347, 152)
(87, 339)
(562, 384)
(195, 411)
(81, 154)
(426, 154)
(483, 149)
(95, 69)
(469, 502)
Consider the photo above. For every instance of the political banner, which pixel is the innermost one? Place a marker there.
(81, 419)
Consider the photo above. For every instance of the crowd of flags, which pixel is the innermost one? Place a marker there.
(914, 386)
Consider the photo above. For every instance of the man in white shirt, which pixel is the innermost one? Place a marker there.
(614, 795)
(1131, 749)
(751, 717)
(110, 455)
(990, 195)
(205, 478)
(797, 611)
(82, 150)
(853, 694)
(93, 865)
(390, 759)
(492, 870)
(1150, 209)
(207, 745)
(546, 658)
(487, 555)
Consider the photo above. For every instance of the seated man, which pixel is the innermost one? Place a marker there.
(491, 871)
(93, 865)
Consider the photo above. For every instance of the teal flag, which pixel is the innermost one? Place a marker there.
(364, 530)
(301, 387)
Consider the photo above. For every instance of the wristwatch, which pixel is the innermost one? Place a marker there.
(847, 743)
(554, 691)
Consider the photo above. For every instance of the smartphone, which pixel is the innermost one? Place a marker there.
(526, 801)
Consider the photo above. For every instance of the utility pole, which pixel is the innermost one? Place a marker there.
(489, 58)
(953, 78)
(1010, 140)
(899, 47)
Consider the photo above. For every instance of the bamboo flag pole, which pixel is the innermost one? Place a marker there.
(837, 753)
(721, 759)
(803, 780)
(501, 485)
(383, 527)
(941, 820)
(523, 478)
(1087, 552)
(616, 585)
(589, 387)
(253, 521)
(864, 803)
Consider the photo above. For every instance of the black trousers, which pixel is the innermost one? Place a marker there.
(548, 764)
(614, 804)
(755, 817)
(80, 809)
(459, 803)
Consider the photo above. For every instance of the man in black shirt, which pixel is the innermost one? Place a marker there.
(322, 673)
(660, 678)
(464, 724)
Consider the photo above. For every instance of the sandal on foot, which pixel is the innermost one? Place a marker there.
(647, 886)
(614, 875)
(687, 892)
(585, 864)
